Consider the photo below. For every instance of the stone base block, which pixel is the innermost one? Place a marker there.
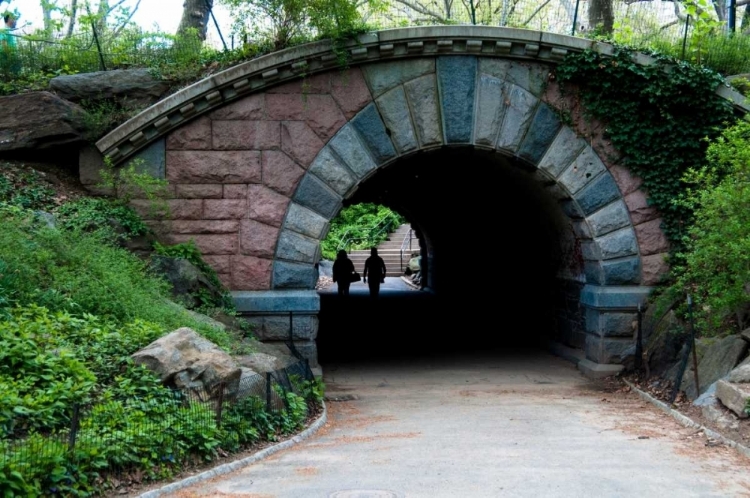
(276, 327)
(605, 350)
(594, 370)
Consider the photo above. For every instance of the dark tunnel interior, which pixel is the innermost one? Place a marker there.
(490, 235)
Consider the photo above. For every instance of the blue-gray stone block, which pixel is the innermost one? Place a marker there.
(287, 275)
(352, 151)
(586, 168)
(490, 110)
(610, 324)
(423, 97)
(303, 220)
(373, 132)
(276, 301)
(597, 194)
(313, 193)
(152, 160)
(520, 109)
(593, 272)
(295, 247)
(276, 327)
(606, 351)
(384, 76)
(571, 209)
(614, 297)
(456, 82)
(543, 129)
(562, 153)
(395, 112)
(609, 218)
(618, 244)
(622, 271)
(332, 172)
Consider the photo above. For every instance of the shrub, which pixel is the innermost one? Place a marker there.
(360, 226)
(715, 268)
(90, 214)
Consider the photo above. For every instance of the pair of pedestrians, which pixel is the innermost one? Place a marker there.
(343, 271)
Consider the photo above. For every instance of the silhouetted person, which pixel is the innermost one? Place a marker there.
(343, 269)
(375, 267)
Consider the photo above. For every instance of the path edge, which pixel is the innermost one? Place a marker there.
(244, 462)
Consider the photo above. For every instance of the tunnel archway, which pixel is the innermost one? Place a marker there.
(495, 246)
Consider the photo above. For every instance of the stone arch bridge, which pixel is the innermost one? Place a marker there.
(262, 156)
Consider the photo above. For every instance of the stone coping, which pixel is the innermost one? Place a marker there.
(304, 60)
(277, 301)
(614, 297)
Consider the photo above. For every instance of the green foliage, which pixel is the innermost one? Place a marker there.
(189, 251)
(132, 182)
(741, 85)
(657, 115)
(359, 227)
(103, 116)
(24, 189)
(90, 214)
(714, 265)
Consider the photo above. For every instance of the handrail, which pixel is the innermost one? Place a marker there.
(407, 238)
(346, 241)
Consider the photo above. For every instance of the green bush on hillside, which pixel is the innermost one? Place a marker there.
(716, 270)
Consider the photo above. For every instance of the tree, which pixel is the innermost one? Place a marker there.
(601, 16)
(195, 18)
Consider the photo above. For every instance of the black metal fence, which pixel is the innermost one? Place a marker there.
(118, 442)
(673, 27)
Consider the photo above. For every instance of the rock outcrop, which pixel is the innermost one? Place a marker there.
(133, 87)
(39, 120)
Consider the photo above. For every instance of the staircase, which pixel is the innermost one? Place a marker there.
(390, 251)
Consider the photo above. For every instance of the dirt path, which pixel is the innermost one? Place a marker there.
(512, 425)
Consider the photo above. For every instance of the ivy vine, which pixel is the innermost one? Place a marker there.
(658, 116)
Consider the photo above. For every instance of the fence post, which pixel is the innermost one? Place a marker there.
(220, 402)
(268, 391)
(575, 18)
(74, 422)
(692, 340)
(639, 341)
(731, 15)
(684, 38)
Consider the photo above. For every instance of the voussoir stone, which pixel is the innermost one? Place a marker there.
(128, 86)
(39, 120)
(185, 359)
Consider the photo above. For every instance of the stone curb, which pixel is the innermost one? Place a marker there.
(238, 464)
(687, 421)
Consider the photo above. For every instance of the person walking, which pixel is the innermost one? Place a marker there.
(343, 271)
(375, 268)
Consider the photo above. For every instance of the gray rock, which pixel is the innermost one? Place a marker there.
(746, 335)
(186, 279)
(136, 87)
(741, 374)
(184, 359)
(46, 218)
(261, 362)
(664, 337)
(734, 396)
(720, 359)
(716, 414)
(708, 397)
(39, 120)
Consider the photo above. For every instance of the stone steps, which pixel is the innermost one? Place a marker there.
(390, 251)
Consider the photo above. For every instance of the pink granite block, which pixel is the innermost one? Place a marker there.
(213, 166)
(300, 142)
(246, 135)
(192, 136)
(250, 273)
(258, 239)
(199, 191)
(350, 91)
(651, 238)
(280, 172)
(224, 209)
(266, 205)
(250, 107)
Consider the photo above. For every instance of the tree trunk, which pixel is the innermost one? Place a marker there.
(47, 7)
(72, 20)
(601, 16)
(195, 16)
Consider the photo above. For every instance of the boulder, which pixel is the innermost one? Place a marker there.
(746, 335)
(186, 279)
(707, 398)
(134, 87)
(741, 374)
(717, 414)
(733, 396)
(261, 362)
(719, 359)
(663, 341)
(39, 120)
(279, 350)
(184, 359)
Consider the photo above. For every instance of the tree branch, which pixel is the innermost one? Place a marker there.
(533, 14)
(422, 10)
